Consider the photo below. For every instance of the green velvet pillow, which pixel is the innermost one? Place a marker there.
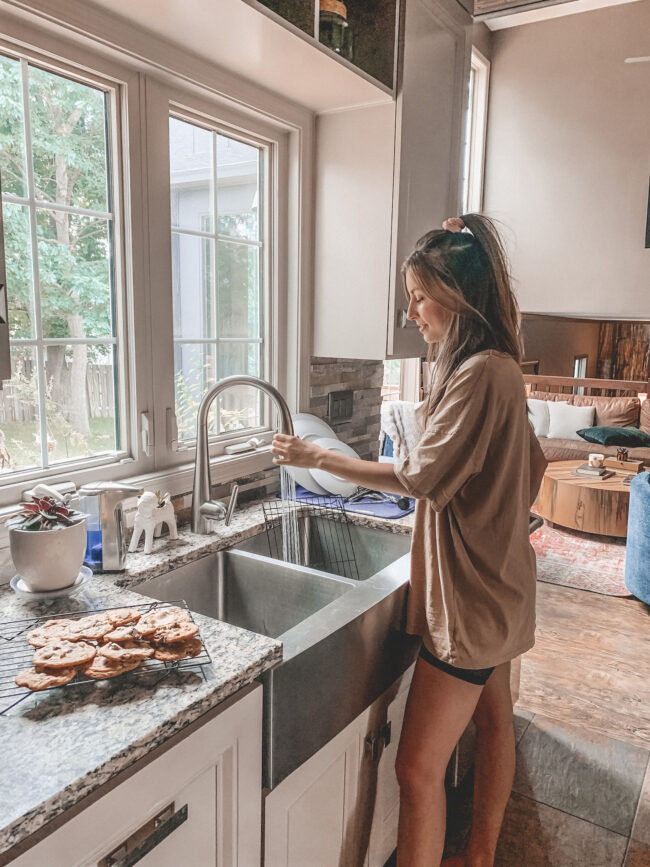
(615, 436)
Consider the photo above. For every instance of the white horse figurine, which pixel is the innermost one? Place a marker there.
(150, 517)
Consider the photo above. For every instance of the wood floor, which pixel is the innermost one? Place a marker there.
(590, 666)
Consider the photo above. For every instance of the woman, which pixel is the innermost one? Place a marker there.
(475, 473)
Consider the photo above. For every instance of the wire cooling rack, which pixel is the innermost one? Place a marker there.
(16, 654)
(324, 540)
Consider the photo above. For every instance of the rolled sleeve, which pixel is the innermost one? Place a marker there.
(454, 443)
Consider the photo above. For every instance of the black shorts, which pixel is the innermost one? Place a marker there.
(478, 676)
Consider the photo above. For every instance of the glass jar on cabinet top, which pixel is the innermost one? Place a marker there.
(334, 30)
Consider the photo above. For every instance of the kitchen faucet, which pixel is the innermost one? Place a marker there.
(204, 509)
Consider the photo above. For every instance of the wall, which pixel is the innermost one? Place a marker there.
(567, 160)
(555, 342)
(365, 379)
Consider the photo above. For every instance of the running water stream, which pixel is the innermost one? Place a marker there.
(290, 535)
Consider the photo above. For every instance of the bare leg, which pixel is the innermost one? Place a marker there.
(438, 709)
(494, 767)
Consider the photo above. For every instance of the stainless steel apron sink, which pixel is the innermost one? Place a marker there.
(343, 640)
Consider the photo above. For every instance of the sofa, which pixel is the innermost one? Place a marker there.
(610, 412)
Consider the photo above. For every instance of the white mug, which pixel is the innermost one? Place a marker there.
(596, 460)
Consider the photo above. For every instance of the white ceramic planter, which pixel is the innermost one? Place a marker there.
(48, 559)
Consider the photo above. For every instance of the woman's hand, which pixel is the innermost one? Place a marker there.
(295, 452)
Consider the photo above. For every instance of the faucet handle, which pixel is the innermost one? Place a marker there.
(232, 503)
(213, 510)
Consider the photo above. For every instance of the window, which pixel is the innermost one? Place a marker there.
(475, 128)
(218, 263)
(64, 400)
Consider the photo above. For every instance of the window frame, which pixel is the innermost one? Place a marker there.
(477, 115)
(165, 100)
(129, 457)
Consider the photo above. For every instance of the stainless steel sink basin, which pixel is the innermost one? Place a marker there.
(343, 640)
(268, 597)
(324, 542)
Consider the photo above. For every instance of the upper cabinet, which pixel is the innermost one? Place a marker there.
(359, 33)
(385, 175)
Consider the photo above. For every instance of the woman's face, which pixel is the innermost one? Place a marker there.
(432, 319)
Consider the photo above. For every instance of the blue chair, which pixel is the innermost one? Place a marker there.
(637, 552)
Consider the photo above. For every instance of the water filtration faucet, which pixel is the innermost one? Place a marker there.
(106, 546)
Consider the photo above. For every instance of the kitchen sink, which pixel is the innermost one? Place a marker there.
(343, 639)
(325, 542)
(268, 597)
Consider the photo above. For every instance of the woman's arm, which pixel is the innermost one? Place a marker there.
(369, 474)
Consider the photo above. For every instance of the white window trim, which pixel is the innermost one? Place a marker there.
(478, 130)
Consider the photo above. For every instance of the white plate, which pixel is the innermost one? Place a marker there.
(21, 589)
(308, 426)
(335, 484)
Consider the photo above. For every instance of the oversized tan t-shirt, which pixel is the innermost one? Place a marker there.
(475, 473)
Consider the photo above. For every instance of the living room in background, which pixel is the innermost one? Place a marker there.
(64, 406)
(217, 185)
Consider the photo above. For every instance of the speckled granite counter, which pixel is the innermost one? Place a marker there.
(100, 729)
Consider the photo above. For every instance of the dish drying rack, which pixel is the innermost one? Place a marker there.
(16, 654)
(324, 539)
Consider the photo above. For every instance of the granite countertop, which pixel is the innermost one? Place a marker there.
(101, 729)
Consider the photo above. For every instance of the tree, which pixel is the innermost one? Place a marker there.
(69, 157)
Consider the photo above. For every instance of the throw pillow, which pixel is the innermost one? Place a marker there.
(616, 436)
(539, 416)
(566, 420)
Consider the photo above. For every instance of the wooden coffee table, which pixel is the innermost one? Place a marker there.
(583, 503)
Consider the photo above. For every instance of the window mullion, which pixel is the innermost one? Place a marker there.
(38, 327)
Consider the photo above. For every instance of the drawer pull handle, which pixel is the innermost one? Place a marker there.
(146, 838)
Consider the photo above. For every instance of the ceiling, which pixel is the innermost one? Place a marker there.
(520, 14)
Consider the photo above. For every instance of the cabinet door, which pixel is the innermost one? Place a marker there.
(307, 817)
(432, 92)
(215, 773)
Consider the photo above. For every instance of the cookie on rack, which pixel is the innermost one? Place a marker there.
(178, 650)
(128, 651)
(123, 633)
(121, 616)
(93, 627)
(102, 666)
(175, 632)
(64, 654)
(51, 630)
(161, 618)
(43, 678)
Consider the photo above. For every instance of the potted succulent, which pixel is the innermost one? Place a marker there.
(47, 539)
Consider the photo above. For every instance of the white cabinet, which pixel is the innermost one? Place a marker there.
(385, 174)
(199, 803)
(342, 805)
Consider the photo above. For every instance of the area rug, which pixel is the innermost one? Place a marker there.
(580, 560)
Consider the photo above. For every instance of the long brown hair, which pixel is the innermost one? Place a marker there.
(467, 273)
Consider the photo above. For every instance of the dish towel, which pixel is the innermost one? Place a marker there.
(399, 421)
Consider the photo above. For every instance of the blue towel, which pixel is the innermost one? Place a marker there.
(379, 510)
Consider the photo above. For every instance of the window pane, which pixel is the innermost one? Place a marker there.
(20, 444)
(191, 176)
(68, 122)
(193, 287)
(74, 266)
(239, 408)
(238, 188)
(12, 129)
(238, 290)
(80, 401)
(195, 372)
(18, 255)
